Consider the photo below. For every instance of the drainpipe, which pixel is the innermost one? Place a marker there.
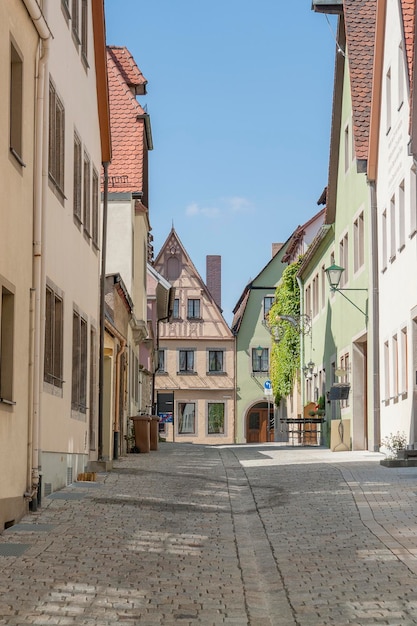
(102, 307)
(375, 320)
(39, 197)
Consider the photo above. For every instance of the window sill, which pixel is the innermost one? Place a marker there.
(216, 373)
(181, 373)
(8, 402)
(66, 12)
(17, 157)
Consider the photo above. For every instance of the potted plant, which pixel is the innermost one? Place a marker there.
(319, 409)
(395, 444)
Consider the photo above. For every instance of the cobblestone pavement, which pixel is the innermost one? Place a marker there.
(239, 535)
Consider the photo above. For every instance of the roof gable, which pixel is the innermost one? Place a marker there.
(128, 69)
(174, 263)
(127, 170)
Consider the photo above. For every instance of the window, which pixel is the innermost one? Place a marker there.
(176, 310)
(384, 248)
(186, 418)
(6, 345)
(401, 216)
(260, 360)
(386, 372)
(413, 200)
(56, 140)
(404, 363)
(186, 360)
(395, 367)
(161, 360)
(393, 247)
(347, 148)
(388, 100)
(193, 309)
(344, 259)
(79, 363)
(16, 103)
(77, 178)
(95, 209)
(215, 418)
(84, 31)
(308, 300)
(75, 17)
(315, 286)
(215, 361)
(93, 389)
(400, 76)
(53, 338)
(65, 9)
(358, 242)
(268, 302)
(86, 194)
(323, 286)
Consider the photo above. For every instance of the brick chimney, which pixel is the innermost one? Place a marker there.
(276, 247)
(214, 277)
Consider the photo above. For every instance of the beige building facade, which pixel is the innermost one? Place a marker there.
(195, 381)
(55, 136)
(19, 43)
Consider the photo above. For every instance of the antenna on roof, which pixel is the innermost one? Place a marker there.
(339, 49)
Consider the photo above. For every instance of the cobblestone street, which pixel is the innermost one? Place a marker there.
(238, 535)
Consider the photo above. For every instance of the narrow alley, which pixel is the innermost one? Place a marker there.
(257, 535)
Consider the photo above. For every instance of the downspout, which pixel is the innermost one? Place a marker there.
(375, 320)
(39, 197)
(235, 391)
(102, 307)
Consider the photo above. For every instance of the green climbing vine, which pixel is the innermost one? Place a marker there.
(285, 355)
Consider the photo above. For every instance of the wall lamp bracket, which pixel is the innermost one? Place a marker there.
(334, 274)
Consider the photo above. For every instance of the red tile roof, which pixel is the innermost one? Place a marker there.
(360, 18)
(128, 68)
(408, 14)
(127, 168)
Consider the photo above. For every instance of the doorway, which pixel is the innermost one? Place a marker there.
(360, 395)
(260, 426)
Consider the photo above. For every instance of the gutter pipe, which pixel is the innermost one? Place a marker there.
(102, 307)
(39, 195)
(375, 320)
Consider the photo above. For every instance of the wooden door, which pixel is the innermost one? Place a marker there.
(257, 426)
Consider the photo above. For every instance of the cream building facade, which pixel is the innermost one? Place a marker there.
(55, 127)
(19, 42)
(195, 381)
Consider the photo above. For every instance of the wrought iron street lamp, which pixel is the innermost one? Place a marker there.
(334, 275)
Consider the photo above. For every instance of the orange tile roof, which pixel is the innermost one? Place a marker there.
(360, 19)
(126, 171)
(409, 15)
(128, 68)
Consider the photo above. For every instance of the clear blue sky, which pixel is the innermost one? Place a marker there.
(239, 97)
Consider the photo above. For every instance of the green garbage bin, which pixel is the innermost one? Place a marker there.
(142, 429)
(154, 432)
